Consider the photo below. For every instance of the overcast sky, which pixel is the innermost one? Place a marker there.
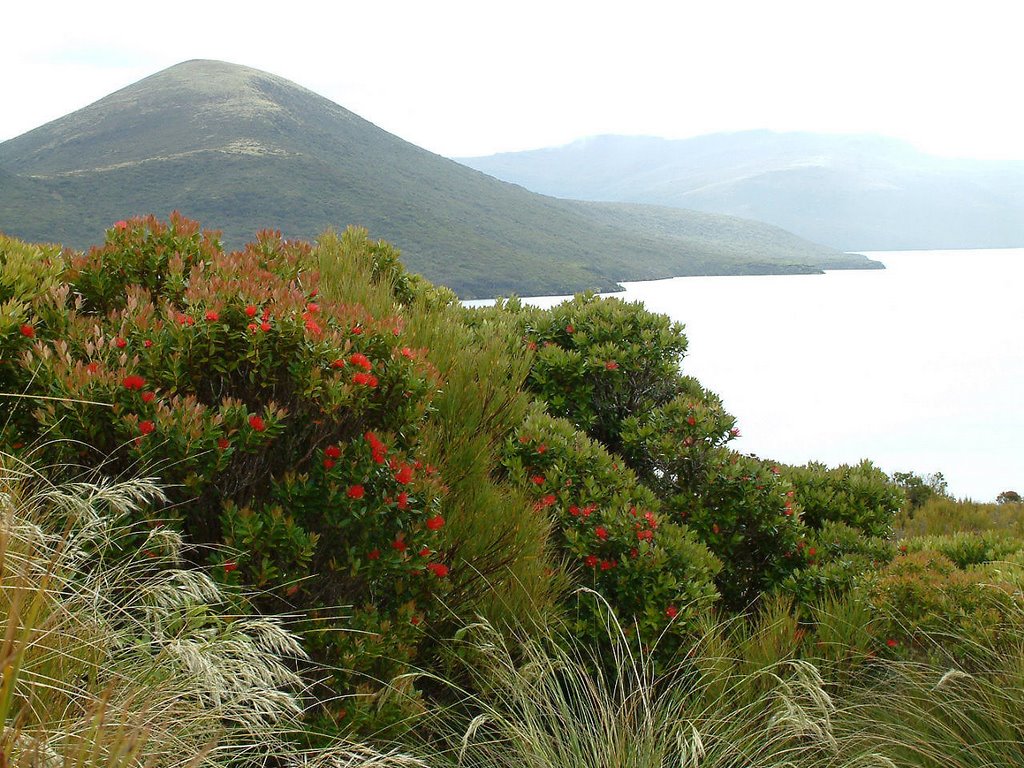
(470, 78)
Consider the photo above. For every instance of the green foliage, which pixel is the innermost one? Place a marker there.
(652, 571)
(601, 360)
(743, 508)
(1008, 497)
(838, 561)
(862, 497)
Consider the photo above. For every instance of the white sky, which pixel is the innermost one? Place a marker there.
(468, 78)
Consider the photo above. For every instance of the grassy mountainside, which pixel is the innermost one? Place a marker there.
(850, 192)
(242, 149)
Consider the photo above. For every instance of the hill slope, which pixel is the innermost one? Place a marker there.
(850, 192)
(241, 150)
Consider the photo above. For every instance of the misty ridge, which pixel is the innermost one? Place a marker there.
(851, 192)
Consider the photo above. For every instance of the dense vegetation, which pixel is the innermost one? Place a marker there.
(498, 535)
(248, 149)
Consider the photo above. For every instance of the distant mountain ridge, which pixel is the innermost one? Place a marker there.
(241, 150)
(852, 192)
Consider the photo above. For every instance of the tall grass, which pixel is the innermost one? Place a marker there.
(940, 516)
(544, 700)
(114, 654)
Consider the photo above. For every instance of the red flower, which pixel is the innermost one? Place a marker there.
(121, 225)
(611, 365)
(339, 363)
(332, 452)
(403, 500)
(891, 643)
(147, 397)
(93, 367)
(120, 343)
(212, 316)
(734, 432)
(373, 554)
(223, 443)
(186, 320)
(146, 427)
(133, 382)
(425, 552)
(715, 528)
(256, 422)
(537, 480)
(607, 565)
(265, 326)
(671, 611)
(591, 561)
(406, 352)
(250, 311)
(360, 360)
(230, 566)
(251, 327)
(356, 329)
(312, 308)
(601, 533)
(691, 420)
(356, 491)
(313, 326)
(399, 545)
(438, 569)
(366, 379)
(435, 523)
(404, 474)
(415, 620)
(328, 463)
(147, 343)
(569, 328)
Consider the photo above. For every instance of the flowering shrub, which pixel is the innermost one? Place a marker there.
(837, 560)
(285, 424)
(601, 360)
(862, 496)
(650, 569)
(739, 506)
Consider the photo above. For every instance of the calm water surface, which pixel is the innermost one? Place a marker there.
(918, 367)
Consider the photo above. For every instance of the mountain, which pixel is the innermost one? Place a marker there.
(853, 192)
(241, 150)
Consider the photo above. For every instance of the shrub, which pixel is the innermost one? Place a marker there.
(285, 424)
(861, 496)
(600, 361)
(741, 507)
(838, 560)
(651, 570)
(930, 608)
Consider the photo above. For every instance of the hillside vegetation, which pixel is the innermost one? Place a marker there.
(378, 527)
(853, 192)
(245, 149)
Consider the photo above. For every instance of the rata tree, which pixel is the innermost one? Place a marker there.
(741, 507)
(285, 425)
